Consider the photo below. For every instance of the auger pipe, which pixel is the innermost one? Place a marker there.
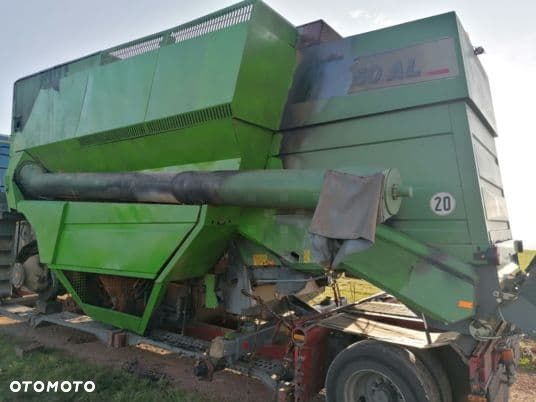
(249, 188)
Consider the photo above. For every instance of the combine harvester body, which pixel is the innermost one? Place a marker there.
(200, 179)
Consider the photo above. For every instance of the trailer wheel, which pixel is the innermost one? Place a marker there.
(372, 371)
(434, 366)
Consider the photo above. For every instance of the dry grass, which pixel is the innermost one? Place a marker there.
(355, 289)
(352, 289)
(526, 257)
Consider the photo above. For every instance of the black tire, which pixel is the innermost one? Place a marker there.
(406, 375)
(434, 366)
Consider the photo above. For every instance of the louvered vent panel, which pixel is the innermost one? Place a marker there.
(180, 34)
(228, 19)
(135, 49)
(159, 126)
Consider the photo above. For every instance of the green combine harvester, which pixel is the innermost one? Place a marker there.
(194, 186)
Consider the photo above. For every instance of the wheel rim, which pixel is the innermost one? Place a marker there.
(371, 386)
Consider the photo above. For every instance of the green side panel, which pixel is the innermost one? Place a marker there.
(477, 80)
(407, 65)
(445, 139)
(171, 148)
(469, 176)
(414, 280)
(115, 318)
(47, 219)
(186, 147)
(206, 68)
(489, 178)
(204, 246)
(371, 140)
(423, 277)
(57, 110)
(117, 239)
(253, 143)
(270, 38)
(64, 94)
(116, 94)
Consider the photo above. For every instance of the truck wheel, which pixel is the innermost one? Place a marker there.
(372, 371)
(435, 368)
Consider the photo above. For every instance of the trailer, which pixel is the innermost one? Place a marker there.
(193, 187)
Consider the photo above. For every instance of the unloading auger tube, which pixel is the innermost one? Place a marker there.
(281, 188)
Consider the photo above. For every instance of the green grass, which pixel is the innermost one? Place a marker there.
(526, 363)
(52, 365)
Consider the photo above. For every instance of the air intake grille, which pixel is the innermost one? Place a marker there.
(114, 135)
(137, 48)
(159, 126)
(233, 17)
(211, 23)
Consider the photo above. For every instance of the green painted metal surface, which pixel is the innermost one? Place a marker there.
(190, 98)
(442, 155)
(238, 94)
(211, 299)
(103, 235)
(436, 127)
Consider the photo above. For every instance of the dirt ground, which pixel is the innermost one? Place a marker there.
(524, 389)
(226, 386)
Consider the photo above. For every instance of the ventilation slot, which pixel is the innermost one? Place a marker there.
(180, 34)
(159, 126)
(114, 135)
(136, 49)
(190, 119)
(231, 18)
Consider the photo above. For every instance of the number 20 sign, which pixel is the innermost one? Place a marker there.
(442, 204)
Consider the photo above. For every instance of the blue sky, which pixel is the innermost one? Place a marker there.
(37, 34)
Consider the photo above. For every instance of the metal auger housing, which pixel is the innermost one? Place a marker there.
(290, 189)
